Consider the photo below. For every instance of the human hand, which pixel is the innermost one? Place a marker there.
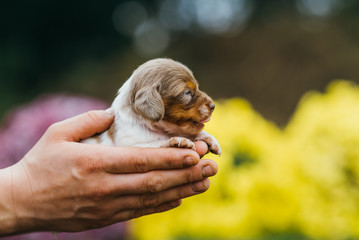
(63, 185)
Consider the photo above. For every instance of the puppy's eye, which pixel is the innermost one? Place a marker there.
(188, 93)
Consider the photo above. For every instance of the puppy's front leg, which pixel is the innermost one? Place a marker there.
(180, 142)
(212, 143)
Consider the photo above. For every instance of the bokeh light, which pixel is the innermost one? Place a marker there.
(316, 8)
(128, 16)
(151, 38)
(221, 16)
(177, 14)
(152, 33)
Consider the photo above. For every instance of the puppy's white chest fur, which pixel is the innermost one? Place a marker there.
(158, 107)
(129, 128)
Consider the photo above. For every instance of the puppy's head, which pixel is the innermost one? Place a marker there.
(166, 93)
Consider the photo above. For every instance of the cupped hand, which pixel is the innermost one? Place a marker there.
(64, 185)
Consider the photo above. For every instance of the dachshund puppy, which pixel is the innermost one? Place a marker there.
(160, 105)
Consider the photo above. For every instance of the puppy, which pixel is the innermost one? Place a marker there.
(160, 105)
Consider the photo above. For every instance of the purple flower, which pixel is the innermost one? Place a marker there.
(24, 126)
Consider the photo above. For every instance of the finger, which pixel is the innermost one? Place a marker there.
(160, 180)
(201, 148)
(83, 126)
(130, 214)
(139, 160)
(155, 199)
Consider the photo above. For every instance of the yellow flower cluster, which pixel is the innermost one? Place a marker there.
(302, 179)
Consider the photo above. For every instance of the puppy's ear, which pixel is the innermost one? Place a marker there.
(148, 103)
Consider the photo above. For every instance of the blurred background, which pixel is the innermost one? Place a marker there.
(260, 59)
(269, 52)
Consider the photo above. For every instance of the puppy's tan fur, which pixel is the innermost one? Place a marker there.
(160, 105)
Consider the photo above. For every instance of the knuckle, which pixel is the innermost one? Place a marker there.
(137, 213)
(154, 183)
(99, 192)
(92, 115)
(53, 128)
(134, 214)
(150, 200)
(88, 168)
(189, 177)
(180, 193)
(142, 164)
(90, 163)
(94, 164)
(94, 223)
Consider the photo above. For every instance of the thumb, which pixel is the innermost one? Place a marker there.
(84, 125)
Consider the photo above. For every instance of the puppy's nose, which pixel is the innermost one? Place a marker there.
(211, 107)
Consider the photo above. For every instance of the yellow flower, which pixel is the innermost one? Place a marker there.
(303, 179)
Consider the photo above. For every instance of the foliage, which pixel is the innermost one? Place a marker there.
(300, 182)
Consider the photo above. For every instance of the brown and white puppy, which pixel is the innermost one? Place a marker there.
(160, 105)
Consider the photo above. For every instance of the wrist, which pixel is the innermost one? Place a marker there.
(7, 211)
(13, 202)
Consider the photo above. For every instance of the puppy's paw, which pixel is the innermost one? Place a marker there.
(213, 144)
(180, 142)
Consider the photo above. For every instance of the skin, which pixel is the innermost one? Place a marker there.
(63, 185)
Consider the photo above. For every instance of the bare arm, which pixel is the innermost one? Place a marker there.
(63, 185)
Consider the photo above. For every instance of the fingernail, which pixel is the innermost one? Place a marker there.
(110, 111)
(207, 171)
(188, 161)
(199, 187)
